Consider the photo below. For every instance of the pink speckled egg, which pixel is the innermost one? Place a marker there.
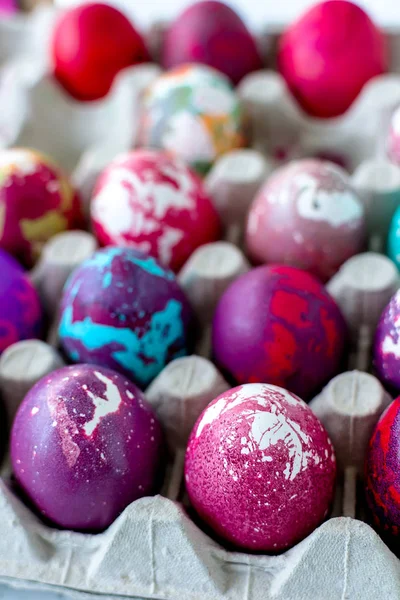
(84, 445)
(152, 201)
(36, 202)
(211, 33)
(260, 468)
(387, 345)
(307, 215)
(279, 325)
(329, 54)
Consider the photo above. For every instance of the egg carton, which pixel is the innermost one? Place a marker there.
(154, 550)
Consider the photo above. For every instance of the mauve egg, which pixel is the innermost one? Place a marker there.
(91, 43)
(393, 137)
(20, 310)
(121, 309)
(382, 469)
(211, 33)
(193, 112)
(36, 202)
(279, 325)
(307, 215)
(387, 344)
(84, 445)
(152, 201)
(260, 468)
(329, 54)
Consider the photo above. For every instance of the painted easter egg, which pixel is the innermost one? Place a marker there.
(91, 43)
(279, 325)
(151, 201)
(393, 242)
(122, 310)
(260, 468)
(193, 112)
(36, 202)
(307, 215)
(213, 34)
(387, 344)
(393, 137)
(84, 445)
(326, 66)
(382, 469)
(20, 311)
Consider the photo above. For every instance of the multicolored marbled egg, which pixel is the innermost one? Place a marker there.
(84, 445)
(122, 310)
(193, 112)
(387, 344)
(211, 33)
(279, 325)
(382, 470)
(393, 138)
(150, 200)
(20, 311)
(36, 202)
(326, 65)
(307, 215)
(260, 468)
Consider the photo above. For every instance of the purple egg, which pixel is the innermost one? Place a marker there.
(121, 309)
(279, 325)
(387, 344)
(84, 445)
(20, 311)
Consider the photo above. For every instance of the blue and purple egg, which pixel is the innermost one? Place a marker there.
(20, 310)
(122, 310)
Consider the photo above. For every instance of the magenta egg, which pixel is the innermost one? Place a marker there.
(382, 470)
(84, 445)
(279, 325)
(260, 468)
(211, 33)
(152, 201)
(307, 215)
(387, 345)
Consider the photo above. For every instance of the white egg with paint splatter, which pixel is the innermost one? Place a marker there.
(84, 445)
(260, 468)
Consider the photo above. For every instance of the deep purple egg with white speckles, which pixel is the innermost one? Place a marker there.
(20, 311)
(260, 468)
(84, 445)
(387, 345)
(121, 309)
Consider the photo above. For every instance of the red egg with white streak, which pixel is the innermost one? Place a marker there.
(307, 215)
(84, 445)
(260, 468)
(152, 201)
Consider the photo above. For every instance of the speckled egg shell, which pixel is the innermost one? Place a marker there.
(279, 325)
(387, 344)
(84, 445)
(36, 202)
(393, 138)
(307, 215)
(382, 470)
(151, 201)
(122, 310)
(211, 33)
(193, 112)
(260, 468)
(20, 311)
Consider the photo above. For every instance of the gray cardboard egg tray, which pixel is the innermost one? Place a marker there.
(154, 550)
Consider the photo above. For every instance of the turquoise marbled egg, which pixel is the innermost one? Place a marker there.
(393, 244)
(122, 310)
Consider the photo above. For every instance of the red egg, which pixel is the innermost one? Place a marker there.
(91, 43)
(152, 201)
(329, 54)
(260, 468)
(383, 471)
(307, 215)
(211, 33)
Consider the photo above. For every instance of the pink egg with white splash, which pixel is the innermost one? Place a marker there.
(307, 215)
(260, 468)
(84, 445)
(393, 137)
(152, 201)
